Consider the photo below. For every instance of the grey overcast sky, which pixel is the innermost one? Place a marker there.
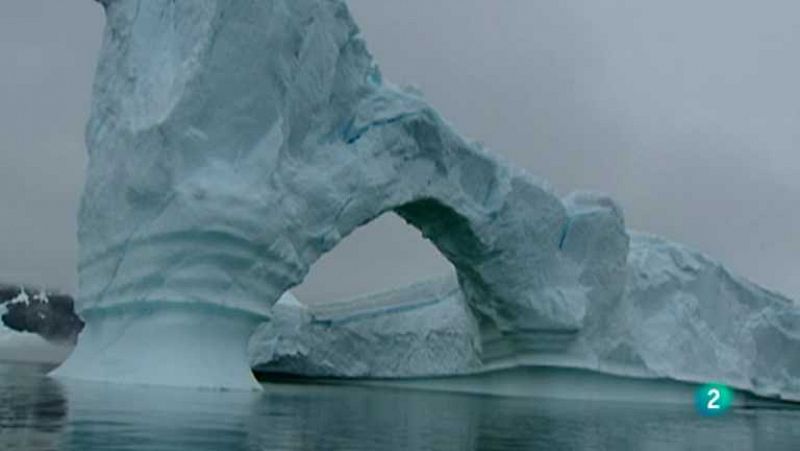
(687, 112)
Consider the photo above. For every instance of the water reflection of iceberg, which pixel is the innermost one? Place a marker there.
(41, 414)
(312, 416)
(112, 416)
(33, 408)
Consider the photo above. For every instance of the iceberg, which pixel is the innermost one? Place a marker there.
(681, 316)
(231, 145)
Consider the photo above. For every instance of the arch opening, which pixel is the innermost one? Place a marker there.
(384, 254)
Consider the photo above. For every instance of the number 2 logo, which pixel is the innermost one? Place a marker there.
(713, 398)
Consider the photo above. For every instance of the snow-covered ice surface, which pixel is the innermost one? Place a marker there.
(231, 144)
(681, 316)
(422, 330)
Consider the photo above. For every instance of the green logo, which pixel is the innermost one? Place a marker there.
(713, 399)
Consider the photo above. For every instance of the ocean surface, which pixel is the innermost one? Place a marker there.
(38, 413)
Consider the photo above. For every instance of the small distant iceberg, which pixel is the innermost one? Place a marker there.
(36, 326)
(681, 317)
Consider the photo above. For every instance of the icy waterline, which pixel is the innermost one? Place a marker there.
(546, 382)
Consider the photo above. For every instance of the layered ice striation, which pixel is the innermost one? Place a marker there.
(681, 316)
(231, 144)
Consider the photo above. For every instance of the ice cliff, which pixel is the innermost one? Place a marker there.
(231, 144)
(681, 316)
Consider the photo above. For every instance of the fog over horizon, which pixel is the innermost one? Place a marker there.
(686, 113)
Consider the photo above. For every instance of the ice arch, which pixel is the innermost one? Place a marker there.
(232, 144)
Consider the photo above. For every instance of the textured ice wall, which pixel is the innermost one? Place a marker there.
(677, 314)
(231, 144)
(422, 330)
(686, 317)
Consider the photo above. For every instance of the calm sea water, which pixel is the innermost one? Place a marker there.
(37, 413)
